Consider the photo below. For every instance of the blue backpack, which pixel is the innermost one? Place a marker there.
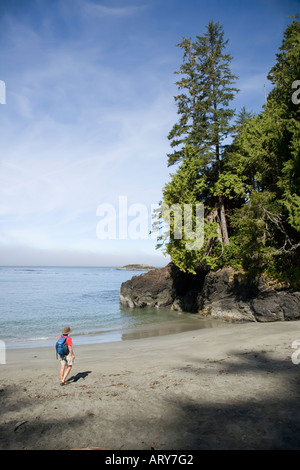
(61, 347)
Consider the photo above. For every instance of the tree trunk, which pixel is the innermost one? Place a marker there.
(223, 221)
(222, 214)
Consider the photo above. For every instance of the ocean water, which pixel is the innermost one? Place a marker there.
(37, 302)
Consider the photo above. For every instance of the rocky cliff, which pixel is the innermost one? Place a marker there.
(224, 294)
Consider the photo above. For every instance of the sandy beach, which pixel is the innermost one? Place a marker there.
(233, 387)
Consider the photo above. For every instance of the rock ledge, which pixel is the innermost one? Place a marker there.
(224, 294)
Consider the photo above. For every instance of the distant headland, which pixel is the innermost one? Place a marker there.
(136, 267)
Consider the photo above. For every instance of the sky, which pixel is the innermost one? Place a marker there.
(87, 103)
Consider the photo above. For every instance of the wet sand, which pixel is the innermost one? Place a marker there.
(233, 387)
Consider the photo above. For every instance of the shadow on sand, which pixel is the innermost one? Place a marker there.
(80, 375)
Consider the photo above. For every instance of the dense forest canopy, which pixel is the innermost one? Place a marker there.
(250, 186)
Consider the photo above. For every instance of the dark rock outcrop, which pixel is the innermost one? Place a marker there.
(224, 294)
(152, 289)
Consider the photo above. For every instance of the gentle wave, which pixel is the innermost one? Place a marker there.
(28, 340)
(92, 333)
(53, 338)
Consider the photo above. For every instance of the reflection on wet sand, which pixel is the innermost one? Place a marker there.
(170, 328)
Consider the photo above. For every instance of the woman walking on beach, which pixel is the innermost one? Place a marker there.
(66, 360)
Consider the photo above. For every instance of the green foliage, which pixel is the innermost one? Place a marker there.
(250, 188)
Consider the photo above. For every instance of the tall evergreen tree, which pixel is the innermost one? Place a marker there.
(251, 186)
(286, 114)
(205, 121)
(205, 115)
(266, 157)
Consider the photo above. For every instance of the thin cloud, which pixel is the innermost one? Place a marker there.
(104, 11)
